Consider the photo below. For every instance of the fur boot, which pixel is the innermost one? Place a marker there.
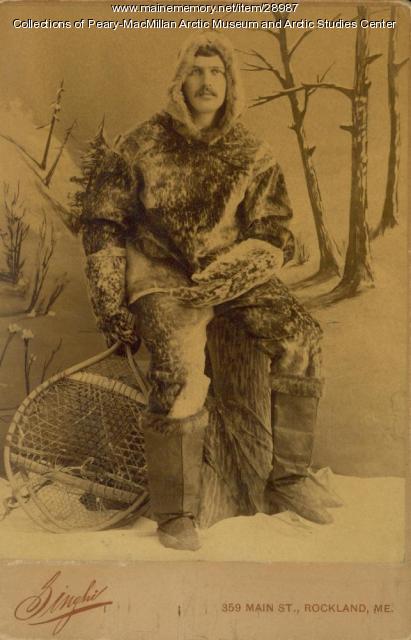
(291, 485)
(174, 453)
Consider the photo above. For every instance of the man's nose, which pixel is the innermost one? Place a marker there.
(207, 77)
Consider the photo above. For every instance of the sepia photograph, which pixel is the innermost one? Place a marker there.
(203, 310)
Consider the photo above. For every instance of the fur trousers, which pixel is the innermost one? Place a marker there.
(176, 335)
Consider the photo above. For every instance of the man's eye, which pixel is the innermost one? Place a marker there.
(217, 72)
(195, 71)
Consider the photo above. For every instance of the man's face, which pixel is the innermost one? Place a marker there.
(205, 86)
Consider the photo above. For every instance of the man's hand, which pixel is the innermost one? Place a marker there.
(120, 327)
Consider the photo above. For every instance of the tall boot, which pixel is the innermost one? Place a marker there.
(294, 414)
(174, 454)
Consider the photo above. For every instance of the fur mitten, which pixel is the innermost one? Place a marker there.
(105, 272)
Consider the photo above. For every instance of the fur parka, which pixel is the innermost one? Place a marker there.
(203, 214)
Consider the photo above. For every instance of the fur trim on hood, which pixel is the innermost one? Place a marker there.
(234, 103)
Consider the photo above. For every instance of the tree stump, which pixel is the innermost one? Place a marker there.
(238, 443)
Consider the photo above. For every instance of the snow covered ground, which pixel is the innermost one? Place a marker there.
(369, 528)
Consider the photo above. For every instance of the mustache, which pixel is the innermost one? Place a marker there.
(204, 91)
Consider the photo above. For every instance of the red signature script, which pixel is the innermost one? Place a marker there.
(51, 605)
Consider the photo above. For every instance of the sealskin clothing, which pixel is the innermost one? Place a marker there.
(203, 215)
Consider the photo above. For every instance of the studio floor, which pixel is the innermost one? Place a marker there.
(368, 528)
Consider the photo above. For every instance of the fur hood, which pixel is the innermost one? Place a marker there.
(234, 103)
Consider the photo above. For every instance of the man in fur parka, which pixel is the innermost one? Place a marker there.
(186, 219)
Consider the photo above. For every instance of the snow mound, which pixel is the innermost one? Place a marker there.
(369, 528)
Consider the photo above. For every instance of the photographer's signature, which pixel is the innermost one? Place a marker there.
(51, 605)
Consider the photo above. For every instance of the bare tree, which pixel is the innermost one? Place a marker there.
(358, 271)
(45, 250)
(28, 358)
(51, 125)
(14, 235)
(54, 118)
(46, 303)
(389, 217)
(49, 359)
(53, 167)
(328, 265)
